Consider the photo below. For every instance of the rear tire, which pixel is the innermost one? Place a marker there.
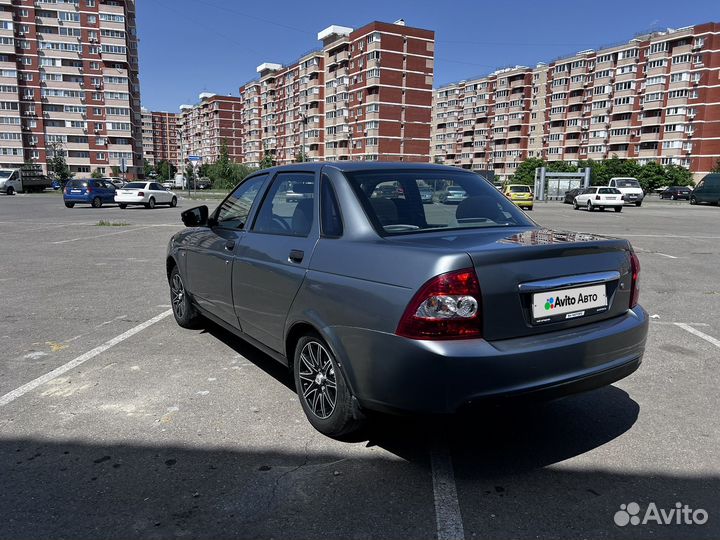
(529, 208)
(184, 312)
(173, 202)
(151, 203)
(321, 388)
(618, 208)
(122, 206)
(589, 206)
(693, 201)
(639, 203)
(602, 208)
(97, 202)
(575, 204)
(69, 205)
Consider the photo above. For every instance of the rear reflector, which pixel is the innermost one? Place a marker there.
(635, 283)
(446, 307)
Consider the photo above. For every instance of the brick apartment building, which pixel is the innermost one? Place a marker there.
(203, 128)
(69, 76)
(147, 136)
(654, 98)
(165, 137)
(367, 94)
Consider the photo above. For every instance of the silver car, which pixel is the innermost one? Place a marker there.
(375, 301)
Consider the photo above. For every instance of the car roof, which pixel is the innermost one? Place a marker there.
(352, 166)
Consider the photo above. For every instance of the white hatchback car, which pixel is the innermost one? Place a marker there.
(147, 194)
(599, 197)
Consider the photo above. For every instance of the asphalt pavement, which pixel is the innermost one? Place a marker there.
(116, 423)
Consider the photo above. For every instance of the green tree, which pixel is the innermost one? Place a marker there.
(268, 159)
(165, 170)
(525, 172)
(96, 174)
(651, 177)
(115, 170)
(301, 157)
(57, 165)
(676, 175)
(148, 169)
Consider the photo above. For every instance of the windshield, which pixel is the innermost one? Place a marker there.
(402, 211)
(135, 185)
(627, 182)
(520, 189)
(4, 175)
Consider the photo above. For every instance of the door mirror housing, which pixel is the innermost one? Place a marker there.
(195, 217)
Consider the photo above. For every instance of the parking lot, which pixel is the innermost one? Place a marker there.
(148, 430)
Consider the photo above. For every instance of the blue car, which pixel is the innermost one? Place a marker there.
(92, 192)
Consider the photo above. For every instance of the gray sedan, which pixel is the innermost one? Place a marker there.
(375, 301)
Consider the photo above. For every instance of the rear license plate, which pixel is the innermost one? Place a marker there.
(74, 191)
(552, 306)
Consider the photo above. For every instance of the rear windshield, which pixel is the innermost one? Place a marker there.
(610, 191)
(135, 185)
(76, 183)
(520, 189)
(627, 182)
(401, 211)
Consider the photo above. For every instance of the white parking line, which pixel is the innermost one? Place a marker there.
(661, 236)
(447, 508)
(101, 235)
(698, 333)
(72, 364)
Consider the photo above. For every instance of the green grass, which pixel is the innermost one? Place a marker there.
(105, 223)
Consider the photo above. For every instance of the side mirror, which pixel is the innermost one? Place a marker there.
(195, 217)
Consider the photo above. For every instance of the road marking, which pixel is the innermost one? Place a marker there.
(665, 255)
(699, 334)
(72, 364)
(661, 236)
(653, 321)
(101, 235)
(447, 508)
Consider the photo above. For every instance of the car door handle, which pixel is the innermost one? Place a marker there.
(229, 245)
(296, 255)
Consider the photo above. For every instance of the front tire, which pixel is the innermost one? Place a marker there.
(618, 208)
(10, 191)
(97, 202)
(173, 202)
(693, 201)
(639, 203)
(122, 206)
(185, 314)
(321, 388)
(575, 204)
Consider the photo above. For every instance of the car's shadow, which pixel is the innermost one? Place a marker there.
(513, 436)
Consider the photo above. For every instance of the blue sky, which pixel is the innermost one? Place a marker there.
(193, 46)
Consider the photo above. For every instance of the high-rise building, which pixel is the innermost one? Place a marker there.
(366, 95)
(205, 127)
(69, 83)
(654, 98)
(147, 136)
(165, 137)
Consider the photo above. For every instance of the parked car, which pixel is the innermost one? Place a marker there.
(386, 304)
(115, 181)
(520, 194)
(298, 191)
(168, 185)
(599, 198)
(707, 190)
(147, 194)
(426, 195)
(630, 188)
(570, 195)
(452, 195)
(92, 191)
(676, 193)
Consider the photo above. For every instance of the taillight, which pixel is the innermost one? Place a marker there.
(88, 190)
(141, 193)
(597, 197)
(635, 283)
(446, 307)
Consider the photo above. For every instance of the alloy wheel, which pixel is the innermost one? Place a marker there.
(177, 291)
(318, 383)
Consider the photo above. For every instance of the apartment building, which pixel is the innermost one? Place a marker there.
(366, 95)
(147, 136)
(654, 98)
(166, 141)
(69, 83)
(203, 128)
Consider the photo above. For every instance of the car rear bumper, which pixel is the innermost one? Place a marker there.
(130, 200)
(391, 373)
(523, 203)
(78, 199)
(606, 204)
